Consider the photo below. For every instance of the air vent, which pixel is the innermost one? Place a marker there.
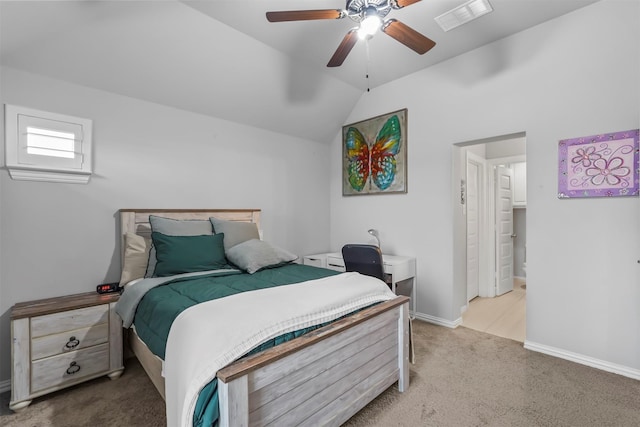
(464, 13)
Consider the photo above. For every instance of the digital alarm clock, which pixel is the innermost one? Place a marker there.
(106, 288)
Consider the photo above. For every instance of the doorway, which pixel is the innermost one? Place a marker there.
(493, 215)
(504, 315)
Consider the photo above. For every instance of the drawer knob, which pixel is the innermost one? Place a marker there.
(72, 343)
(73, 368)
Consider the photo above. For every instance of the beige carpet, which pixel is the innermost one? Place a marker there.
(461, 378)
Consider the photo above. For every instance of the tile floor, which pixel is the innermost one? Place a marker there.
(504, 316)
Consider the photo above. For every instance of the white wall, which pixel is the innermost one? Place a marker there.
(58, 239)
(574, 76)
(506, 148)
(200, 64)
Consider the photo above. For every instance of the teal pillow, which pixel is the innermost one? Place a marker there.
(174, 227)
(187, 254)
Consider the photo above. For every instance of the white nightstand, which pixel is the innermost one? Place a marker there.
(60, 342)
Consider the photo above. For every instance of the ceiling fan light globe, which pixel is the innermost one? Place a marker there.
(369, 26)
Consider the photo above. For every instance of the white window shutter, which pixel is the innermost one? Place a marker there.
(43, 146)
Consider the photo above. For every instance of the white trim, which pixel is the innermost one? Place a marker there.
(5, 386)
(48, 176)
(486, 264)
(464, 308)
(583, 360)
(492, 278)
(438, 320)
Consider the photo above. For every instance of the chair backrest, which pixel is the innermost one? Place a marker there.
(365, 259)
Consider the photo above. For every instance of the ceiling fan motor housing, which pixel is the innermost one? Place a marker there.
(358, 10)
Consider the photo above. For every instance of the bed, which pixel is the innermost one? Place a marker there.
(321, 377)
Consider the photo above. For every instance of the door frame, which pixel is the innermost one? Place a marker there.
(459, 291)
(481, 165)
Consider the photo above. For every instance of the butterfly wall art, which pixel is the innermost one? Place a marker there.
(374, 155)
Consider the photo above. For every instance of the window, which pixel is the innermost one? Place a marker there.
(43, 146)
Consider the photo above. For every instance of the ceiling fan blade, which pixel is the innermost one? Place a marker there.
(304, 15)
(408, 36)
(399, 4)
(345, 47)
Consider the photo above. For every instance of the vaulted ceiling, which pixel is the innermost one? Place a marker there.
(222, 58)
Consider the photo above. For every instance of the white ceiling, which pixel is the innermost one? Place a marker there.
(223, 59)
(315, 41)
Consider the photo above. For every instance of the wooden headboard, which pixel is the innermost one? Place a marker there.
(137, 220)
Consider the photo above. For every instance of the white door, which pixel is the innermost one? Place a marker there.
(504, 230)
(473, 228)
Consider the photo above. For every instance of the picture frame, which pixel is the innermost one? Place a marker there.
(374, 155)
(605, 165)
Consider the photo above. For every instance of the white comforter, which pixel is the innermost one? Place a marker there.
(209, 336)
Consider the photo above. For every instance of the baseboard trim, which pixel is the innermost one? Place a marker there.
(584, 360)
(5, 386)
(438, 320)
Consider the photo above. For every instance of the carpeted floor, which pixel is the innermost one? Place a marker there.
(131, 400)
(461, 378)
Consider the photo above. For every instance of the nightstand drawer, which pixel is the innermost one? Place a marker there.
(67, 341)
(69, 320)
(69, 367)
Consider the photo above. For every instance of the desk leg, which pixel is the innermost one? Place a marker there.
(411, 281)
(413, 295)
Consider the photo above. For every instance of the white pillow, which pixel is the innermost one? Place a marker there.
(235, 232)
(253, 255)
(136, 256)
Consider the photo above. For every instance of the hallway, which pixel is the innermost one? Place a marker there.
(504, 316)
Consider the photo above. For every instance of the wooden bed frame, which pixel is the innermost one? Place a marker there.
(321, 378)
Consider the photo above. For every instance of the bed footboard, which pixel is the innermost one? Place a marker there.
(324, 377)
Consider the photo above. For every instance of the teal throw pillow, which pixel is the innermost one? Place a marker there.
(174, 227)
(187, 254)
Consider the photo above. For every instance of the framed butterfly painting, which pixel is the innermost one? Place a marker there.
(374, 155)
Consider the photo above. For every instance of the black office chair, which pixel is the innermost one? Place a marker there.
(365, 259)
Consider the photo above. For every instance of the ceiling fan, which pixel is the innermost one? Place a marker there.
(369, 14)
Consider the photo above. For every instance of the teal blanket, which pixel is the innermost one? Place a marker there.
(159, 307)
(162, 304)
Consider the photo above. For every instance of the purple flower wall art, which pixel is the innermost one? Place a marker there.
(604, 165)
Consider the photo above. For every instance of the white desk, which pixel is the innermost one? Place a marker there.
(401, 269)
